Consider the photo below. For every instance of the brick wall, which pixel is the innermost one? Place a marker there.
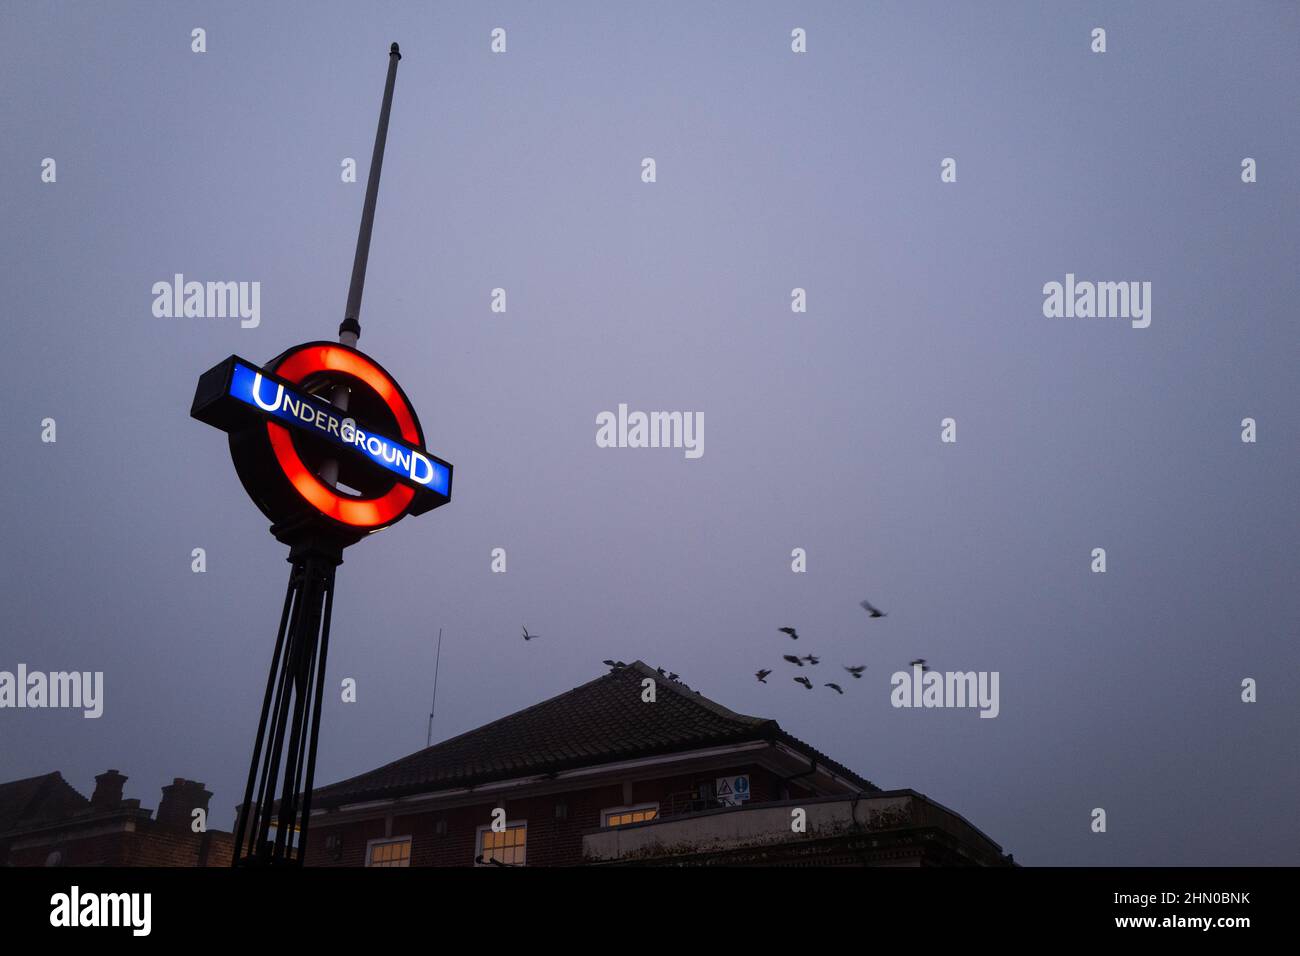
(147, 845)
(161, 846)
(552, 840)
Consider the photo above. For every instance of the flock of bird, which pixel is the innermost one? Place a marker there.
(812, 659)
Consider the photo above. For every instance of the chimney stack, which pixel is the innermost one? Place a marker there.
(108, 790)
(179, 801)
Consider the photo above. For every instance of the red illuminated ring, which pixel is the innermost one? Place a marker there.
(357, 512)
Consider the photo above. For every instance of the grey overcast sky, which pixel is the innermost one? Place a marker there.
(774, 170)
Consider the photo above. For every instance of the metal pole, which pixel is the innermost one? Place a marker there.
(305, 643)
(350, 329)
(247, 808)
(315, 718)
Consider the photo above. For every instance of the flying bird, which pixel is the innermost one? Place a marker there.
(792, 659)
(919, 660)
(789, 630)
(835, 687)
(856, 670)
(813, 659)
(529, 637)
(805, 681)
(872, 611)
(614, 664)
(762, 675)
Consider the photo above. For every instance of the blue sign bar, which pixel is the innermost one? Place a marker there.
(281, 402)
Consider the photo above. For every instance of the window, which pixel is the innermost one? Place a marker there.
(389, 852)
(620, 816)
(510, 846)
(292, 842)
(334, 846)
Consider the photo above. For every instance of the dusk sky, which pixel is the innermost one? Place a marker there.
(774, 171)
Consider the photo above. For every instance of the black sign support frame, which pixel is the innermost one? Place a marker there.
(291, 708)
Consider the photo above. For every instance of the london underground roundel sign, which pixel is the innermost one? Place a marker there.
(349, 466)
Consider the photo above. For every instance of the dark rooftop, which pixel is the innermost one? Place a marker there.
(37, 800)
(602, 721)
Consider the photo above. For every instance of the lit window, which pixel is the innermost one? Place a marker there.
(390, 853)
(621, 816)
(293, 836)
(509, 846)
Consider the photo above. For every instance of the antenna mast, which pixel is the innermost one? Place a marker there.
(350, 328)
(437, 660)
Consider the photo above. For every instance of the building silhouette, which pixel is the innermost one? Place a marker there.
(44, 821)
(598, 776)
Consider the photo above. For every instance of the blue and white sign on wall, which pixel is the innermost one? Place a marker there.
(732, 791)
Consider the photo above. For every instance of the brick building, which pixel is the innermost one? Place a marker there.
(598, 776)
(45, 822)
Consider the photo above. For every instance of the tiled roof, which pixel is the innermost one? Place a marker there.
(599, 722)
(33, 799)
